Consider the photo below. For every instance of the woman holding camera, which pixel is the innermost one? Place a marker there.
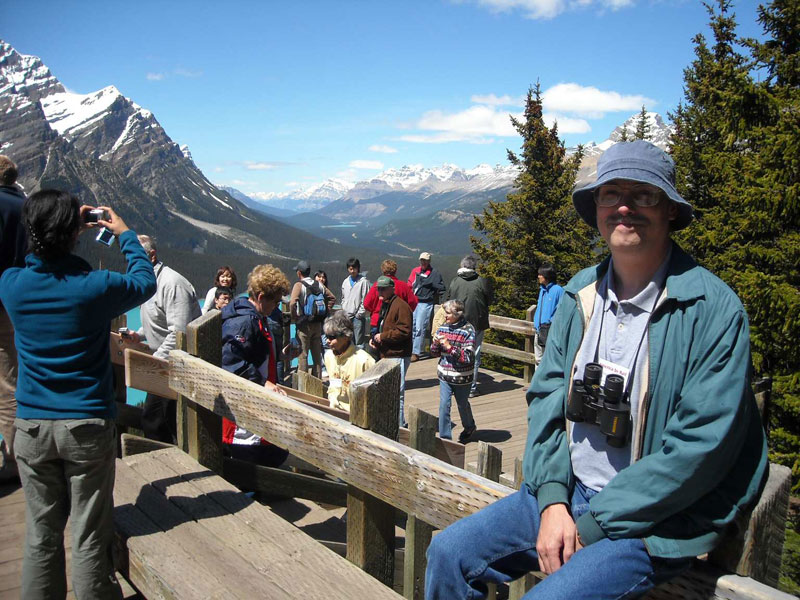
(65, 442)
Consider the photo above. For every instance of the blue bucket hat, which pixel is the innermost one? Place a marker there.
(635, 161)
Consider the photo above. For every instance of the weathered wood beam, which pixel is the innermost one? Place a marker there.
(281, 483)
(374, 405)
(417, 484)
(134, 444)
(512, 353)
(520, 326)
(422, 429)
(150, 374)
(200, 433)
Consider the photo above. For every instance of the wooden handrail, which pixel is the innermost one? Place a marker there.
(417, 484)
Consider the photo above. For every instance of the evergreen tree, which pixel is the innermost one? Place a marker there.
(536, 223)
(737, 146)
(642, 126)
(623, 136)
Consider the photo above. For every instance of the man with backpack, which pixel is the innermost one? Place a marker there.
(309, 304)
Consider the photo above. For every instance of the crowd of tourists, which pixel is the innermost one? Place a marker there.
(645, 446)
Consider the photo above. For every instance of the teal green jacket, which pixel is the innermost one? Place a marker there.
(699, 456)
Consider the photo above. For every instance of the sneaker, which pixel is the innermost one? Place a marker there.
(474, 392)
(466, 434)
(414, 358)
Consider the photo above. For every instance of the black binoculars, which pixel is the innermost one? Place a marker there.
(603, 406)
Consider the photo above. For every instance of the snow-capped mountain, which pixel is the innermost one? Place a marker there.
(107, 149)
(306, 199)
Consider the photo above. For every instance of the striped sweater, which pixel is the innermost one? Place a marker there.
(456, 365)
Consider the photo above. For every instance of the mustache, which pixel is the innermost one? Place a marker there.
(615, 220)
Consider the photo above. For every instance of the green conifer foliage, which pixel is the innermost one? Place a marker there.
(536, 223)
(642, 126)
(737, 146)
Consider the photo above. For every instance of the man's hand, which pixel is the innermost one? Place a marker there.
(558, 538)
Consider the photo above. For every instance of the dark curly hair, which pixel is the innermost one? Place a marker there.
(52, 218)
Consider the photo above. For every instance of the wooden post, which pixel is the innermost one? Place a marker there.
(287, 338)
(422, 437)
(200, 430)
(490, 464)
(306, 382)
(374, 405)
(518, 588)
(529, 369)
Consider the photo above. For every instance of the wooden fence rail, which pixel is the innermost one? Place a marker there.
(522, 327)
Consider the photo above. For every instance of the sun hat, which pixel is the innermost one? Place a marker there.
(384, 282)
(638, 161)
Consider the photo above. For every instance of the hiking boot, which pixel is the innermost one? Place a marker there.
(466, 434)
(414, 358)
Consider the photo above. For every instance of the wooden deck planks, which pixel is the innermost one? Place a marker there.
(260, 554)
(500, 411)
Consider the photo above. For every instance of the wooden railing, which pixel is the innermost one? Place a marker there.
(523, 327)
(382, 475)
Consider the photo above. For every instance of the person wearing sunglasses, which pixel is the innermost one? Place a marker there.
(344, 361)
(612, 507)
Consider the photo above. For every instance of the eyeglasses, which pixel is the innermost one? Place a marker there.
(643, 195)
(333, 337)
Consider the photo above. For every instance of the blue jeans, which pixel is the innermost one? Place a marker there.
(478, 345)
(498, 545)
(360, 331)
(422, 325)
(461, 392)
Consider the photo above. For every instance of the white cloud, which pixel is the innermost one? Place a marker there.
(492, 100)
(548, 9)
(187, 73)
(219, 170)
(155, 76)
(366, 164)
(292, 184)
(259, 166)
(589, 102)
(382, 149)
(566, 124)
(474, 125)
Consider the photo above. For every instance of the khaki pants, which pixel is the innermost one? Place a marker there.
(310, 336)
(67, 471)
(8, 386)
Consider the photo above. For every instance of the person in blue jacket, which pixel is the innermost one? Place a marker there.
(611, 510)
(549, 296)
(66, 442)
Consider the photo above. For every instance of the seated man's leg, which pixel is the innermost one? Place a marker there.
(608, 570)
(495, 545)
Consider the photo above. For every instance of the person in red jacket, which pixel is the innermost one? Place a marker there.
(372, 301)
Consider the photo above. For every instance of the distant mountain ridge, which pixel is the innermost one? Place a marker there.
(109, 150)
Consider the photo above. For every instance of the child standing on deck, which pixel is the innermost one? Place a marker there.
(454, 342)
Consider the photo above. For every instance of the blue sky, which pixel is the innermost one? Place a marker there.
(274, 95)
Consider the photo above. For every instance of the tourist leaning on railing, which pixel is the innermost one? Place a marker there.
(66, 443)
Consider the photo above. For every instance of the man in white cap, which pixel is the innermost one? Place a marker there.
(622, 490)
(427, 284)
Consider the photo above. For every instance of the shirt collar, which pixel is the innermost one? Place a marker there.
(644, 300)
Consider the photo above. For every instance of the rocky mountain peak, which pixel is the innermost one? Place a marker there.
(25, 75)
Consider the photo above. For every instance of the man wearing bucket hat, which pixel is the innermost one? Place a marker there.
(610, 510)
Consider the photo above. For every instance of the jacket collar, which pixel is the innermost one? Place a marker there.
(68, 262)
(683, 284)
